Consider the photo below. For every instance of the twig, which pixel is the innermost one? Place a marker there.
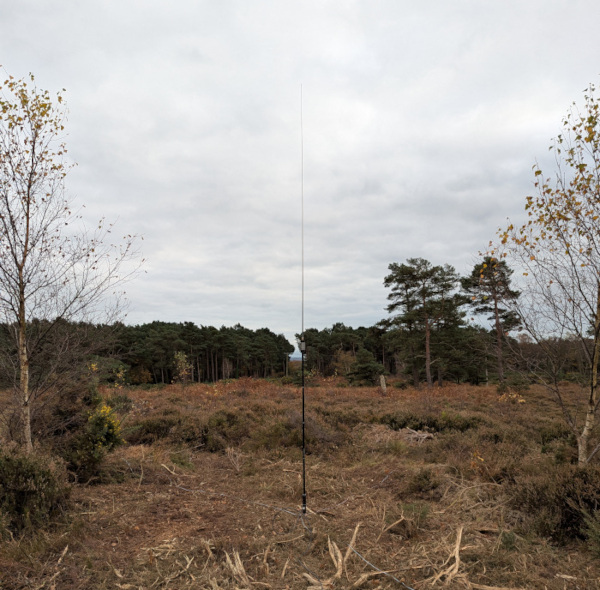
(285, 568)
(282, 541)
(349, 550)
(389, 575)
(484, 587)
(265, 562)
(141, 476)
(366, 576)
(62, 555)
(237, 568)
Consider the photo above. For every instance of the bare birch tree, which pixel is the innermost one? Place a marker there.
(51, 267)
(558, 250)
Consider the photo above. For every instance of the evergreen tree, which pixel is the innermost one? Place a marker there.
(489, 291)
(424, 297)
(365, 370)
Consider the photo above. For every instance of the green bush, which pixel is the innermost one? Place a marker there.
(88, 447)
(514, 382)
(33, 488)
(242, 392)
(224, 428)
(555, 431)
(190, 431)
(340, 419)
(277, 434)
(591, 530)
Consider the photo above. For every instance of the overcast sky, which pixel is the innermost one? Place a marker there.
(422, 121)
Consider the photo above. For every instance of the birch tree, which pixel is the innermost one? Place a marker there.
(51, 267)
(558, 250)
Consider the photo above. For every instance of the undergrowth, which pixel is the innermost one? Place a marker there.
(33, 489)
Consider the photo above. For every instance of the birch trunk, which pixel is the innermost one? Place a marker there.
(583, 440)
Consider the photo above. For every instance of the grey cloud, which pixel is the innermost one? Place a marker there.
(421, 123)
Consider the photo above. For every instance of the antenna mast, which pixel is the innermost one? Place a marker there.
(302, 343)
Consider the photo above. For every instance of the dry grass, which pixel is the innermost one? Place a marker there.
(386, 509)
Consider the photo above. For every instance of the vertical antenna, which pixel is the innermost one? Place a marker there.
(302, 342)
(302, 199)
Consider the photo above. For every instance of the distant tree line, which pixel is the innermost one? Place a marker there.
(429, 337)
(157, 352)
(149, 351)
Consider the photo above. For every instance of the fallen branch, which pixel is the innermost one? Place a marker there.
(450, 572)
(336, 557)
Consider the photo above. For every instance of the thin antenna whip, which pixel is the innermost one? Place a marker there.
(302, 199)
(302, 342)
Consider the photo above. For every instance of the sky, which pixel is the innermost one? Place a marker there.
(420, 123)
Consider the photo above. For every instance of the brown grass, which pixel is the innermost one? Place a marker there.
(385, 507)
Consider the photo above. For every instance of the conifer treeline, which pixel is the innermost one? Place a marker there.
(211, 353)
(150, 353)
(462, 353)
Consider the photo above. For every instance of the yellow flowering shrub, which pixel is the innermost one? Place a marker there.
(101, 434)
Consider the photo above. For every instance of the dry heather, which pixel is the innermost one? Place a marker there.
(449, 489)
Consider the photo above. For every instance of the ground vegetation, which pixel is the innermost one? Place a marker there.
(450, 487)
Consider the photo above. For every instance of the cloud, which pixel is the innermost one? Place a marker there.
(421, 123)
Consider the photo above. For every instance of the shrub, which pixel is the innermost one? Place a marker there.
(340, 419)
(33, 488)
(555, 431)
(139, 376)
(189, 431)
(225, 429)
(151, 429)
(287, 432)
(591, 530)
(422, 483)
(120, 402)
(429, 423)
(100, 435)
(514, 382)
(277, 434)
(558, 502)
